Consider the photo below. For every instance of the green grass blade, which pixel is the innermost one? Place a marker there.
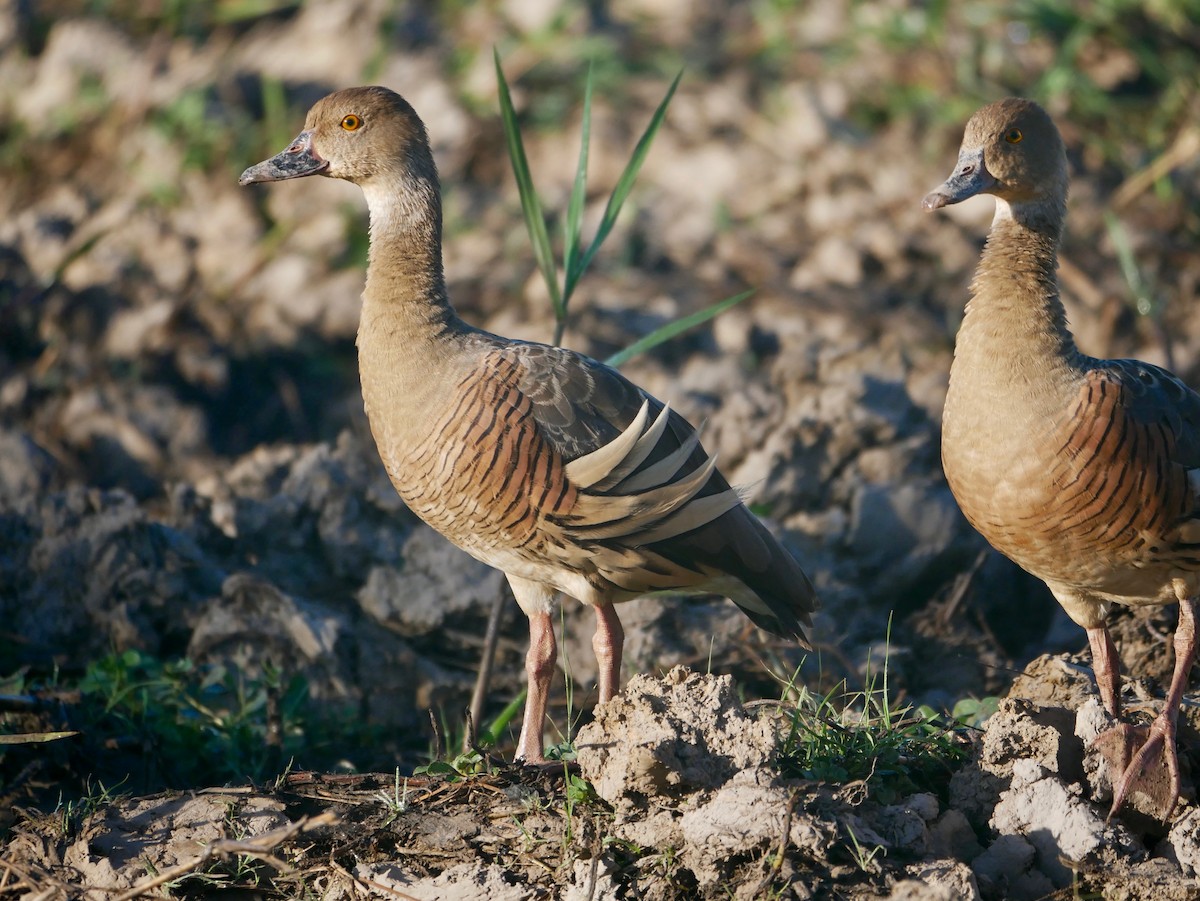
(625, 183)
(490, 737)
(1143, 301)
(26, 738)
(671, 329)
(278, 125)
(578, 194)
(530, 205)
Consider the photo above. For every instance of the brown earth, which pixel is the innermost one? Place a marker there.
(687, 800)
(185, 469)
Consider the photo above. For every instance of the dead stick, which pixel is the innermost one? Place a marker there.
(1185, 146)
(260, 847)
(487, 660)
(359, 882)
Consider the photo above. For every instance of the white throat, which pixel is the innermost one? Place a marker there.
(1004, 212)
(396, 207)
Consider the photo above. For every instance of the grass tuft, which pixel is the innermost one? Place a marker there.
(844, 737)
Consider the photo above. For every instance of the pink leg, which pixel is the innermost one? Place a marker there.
(607, 643)
(1160, 744)
(1118, 743)
(539, 668)
(1107, 667)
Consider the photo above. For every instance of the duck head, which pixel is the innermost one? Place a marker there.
(360, 134)
(1012, 150)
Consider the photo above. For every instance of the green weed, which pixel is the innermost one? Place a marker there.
(1142, 294)
(864, 857)
(461, 766)
(577, 792)
(91, 103)
(974, 712)
(846, 737)
(183, 18)
(191, 718)
(214, 136)
(72, 813)
(471, 759)
(396, 802)
(172, 724)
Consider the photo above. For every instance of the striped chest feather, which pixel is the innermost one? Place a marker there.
(482, 474)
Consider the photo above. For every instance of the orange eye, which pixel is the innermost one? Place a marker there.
(352, 123)
(1013, 135)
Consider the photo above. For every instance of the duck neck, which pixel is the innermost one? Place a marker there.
(1015, 328)
(406, 286)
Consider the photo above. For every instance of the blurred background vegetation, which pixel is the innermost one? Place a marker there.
(1121, 73)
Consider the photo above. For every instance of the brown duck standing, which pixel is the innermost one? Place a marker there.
(1085, 472)
(536, 460)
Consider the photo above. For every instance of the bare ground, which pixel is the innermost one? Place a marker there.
(683, 798)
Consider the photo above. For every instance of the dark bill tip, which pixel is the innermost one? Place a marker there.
(970, 177)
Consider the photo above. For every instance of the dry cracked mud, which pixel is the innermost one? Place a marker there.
(689, 801)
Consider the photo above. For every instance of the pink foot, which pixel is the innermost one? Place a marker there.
(1117, 746)
(1154, 769)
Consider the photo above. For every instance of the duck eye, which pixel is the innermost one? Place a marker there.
(1013, 135)
(352, 123)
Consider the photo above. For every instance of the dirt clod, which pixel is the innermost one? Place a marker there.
(664, 740)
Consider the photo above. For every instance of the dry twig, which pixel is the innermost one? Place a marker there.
(259, 847)
(1185, 146)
